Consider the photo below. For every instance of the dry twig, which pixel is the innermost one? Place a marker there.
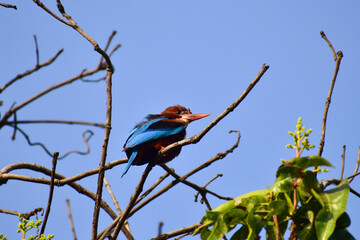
(70, 219)
(8, 6)
(47, 212)
(337, 57)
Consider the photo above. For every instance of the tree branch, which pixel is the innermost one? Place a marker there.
(101, 125)
(47, 212)
(34, 69)
(175, 233)
(8, 6)
(337, 58)
(119, 221)
(197, 138)
(176, 181)
(70, 219)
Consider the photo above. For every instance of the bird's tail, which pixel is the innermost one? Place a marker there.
(131, 159)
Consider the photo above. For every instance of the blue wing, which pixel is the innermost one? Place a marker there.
(145, 133)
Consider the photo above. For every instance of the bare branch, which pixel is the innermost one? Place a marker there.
(47, 212)
(197, 138)
(36, 51)
(24, 215)
(86, 140)
(342, 163)
(125, 228)
(337, 58)
(147, 192)
(119, 221)
(329, 43)
(60, 180)
(34, 69)
(178, 232)
(173, 183)
(70, 219)
(8, 6)
(204, 188)
(356, 167)
(101, 125)
(202, 191)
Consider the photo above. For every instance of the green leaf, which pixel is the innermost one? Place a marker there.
(310, 161)
(234, 216)
(308, 183)
(253, 223)
(334, 204)
(240, 234)
(285, 177)
(307, 231)
(278, 207)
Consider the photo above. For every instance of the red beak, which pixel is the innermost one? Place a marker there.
(193, 117)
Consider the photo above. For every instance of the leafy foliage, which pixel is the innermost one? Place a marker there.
(295, 198)
(25, 226)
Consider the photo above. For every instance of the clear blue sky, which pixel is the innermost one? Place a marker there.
(200, 54)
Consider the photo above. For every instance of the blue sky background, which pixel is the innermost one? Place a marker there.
(200, 54)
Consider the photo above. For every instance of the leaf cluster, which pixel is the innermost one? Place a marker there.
(296, 198)
(25, 226)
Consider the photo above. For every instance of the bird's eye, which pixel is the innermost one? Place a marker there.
(178, 112)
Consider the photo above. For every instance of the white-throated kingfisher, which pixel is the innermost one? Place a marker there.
(148, 138)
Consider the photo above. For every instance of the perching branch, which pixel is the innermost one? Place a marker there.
(197, 137)
(176, 181)
(337, 57)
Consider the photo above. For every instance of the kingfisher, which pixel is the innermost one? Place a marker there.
(158, 131)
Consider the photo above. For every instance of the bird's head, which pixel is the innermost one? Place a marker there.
(182, 113)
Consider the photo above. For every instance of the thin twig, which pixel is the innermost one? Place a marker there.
(337, 57)
(5, 176)
(178, 232)
(47, 212)
(329, 43)
(36, 51)
(160, 226)
(61, 181)
(197, 137)
(356, 167)
(342, 162)
(86, 141)
(8, 6)
(176, 181)
(149, 190)
(204, 187)
(107, 46)
(119, 221)
(34, 69)
(101, 125)
(83, 73)
(15, 126)
(70, 219)
(126, 231)
(24, 215)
